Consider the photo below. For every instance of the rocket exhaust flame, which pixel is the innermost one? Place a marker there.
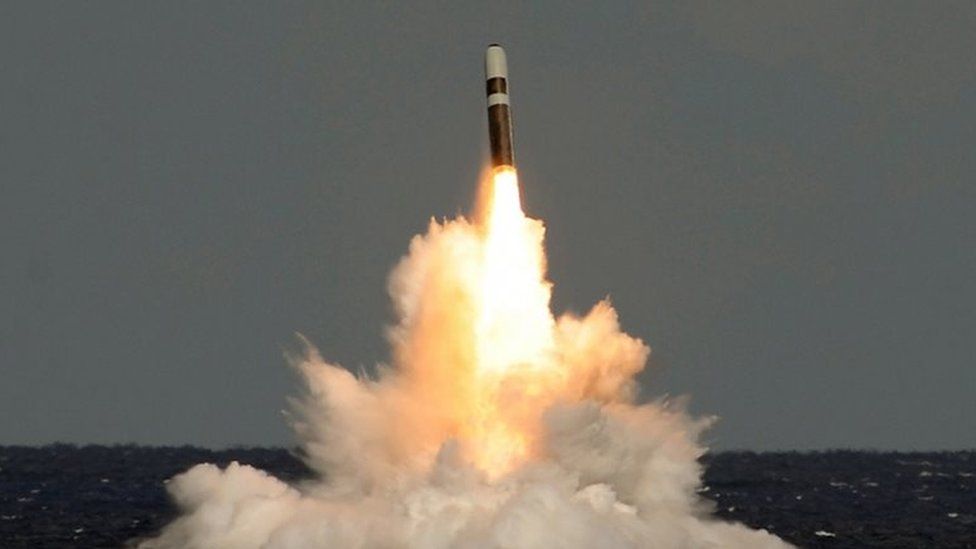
(496, 425)
(514, 329)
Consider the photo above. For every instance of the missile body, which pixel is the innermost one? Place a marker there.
(499, 110)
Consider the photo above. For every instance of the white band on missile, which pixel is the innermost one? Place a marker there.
(495, 64)
(498, 99)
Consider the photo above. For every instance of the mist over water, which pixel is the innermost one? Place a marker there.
(496, 425)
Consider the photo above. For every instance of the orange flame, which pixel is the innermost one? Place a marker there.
(479, 353)
(513, 327)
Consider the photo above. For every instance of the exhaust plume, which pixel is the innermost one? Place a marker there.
(496, 424)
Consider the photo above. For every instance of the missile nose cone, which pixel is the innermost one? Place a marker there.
(496, 65)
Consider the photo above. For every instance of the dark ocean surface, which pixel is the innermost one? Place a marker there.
(96, 496)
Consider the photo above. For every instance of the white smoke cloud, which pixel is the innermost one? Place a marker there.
(395, 456)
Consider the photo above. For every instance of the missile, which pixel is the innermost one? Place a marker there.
(499, 110)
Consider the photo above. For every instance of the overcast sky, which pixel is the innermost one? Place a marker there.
(778, 198)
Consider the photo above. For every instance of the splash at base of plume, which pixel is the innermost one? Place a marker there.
(497, 425)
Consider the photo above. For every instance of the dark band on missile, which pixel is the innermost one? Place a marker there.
(496, 85)
(500, 135)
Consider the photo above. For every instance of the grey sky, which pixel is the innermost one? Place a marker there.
(777, 197)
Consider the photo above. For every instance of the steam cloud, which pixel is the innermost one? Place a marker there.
(402, 460)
